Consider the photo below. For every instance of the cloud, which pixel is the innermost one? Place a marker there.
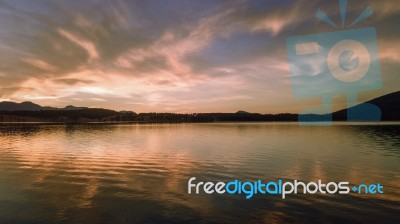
(273, 25)
(185, 57)
(87, 45)
(385, 8)
(40, 64)
(72, 81)
(275, 22)
(390, 54)
(387, 51)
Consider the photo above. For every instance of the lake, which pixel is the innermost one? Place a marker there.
(139, 173)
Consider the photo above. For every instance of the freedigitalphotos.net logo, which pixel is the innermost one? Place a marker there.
(332, 63)
(279, 187)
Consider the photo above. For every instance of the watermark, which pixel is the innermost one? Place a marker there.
(280, 187)
(340, 62)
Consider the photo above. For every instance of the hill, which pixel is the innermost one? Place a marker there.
(29, 106)
(30, 112)
(12, 106)
(389, 105)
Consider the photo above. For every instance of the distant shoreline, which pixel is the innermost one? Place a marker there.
(29, 113)
(215, 122)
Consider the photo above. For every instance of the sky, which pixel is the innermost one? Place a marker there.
(173, 55)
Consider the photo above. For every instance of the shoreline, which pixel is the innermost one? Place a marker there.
(169, 122)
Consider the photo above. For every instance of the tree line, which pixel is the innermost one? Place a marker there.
(104, 115)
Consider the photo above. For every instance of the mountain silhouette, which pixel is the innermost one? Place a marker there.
(29, 106)
(12, 106)
(389, 105)
(242, 112)
(27, 111)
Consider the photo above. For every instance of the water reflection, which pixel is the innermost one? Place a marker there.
(138, 173)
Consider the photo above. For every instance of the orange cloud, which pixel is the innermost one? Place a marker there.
(40, 64)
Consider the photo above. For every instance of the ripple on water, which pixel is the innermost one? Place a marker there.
(140, 172)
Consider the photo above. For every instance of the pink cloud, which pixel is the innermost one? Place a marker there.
(85, 44)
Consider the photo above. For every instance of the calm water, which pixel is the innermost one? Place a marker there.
(139, 173)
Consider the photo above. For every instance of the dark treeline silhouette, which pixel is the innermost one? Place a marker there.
(81, 115)
(12, 112)
(213, 117)
(102, 115)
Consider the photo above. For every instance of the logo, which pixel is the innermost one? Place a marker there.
(280, 187)
(340, 62)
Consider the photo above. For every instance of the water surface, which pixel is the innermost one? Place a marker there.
(139, 173)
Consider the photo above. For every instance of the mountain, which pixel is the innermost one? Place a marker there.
(12, 106)
(27, 111)
(242, 112)
(29, 106)
(389, 105)
(30, 112)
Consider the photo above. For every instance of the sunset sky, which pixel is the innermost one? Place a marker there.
(172, 56)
